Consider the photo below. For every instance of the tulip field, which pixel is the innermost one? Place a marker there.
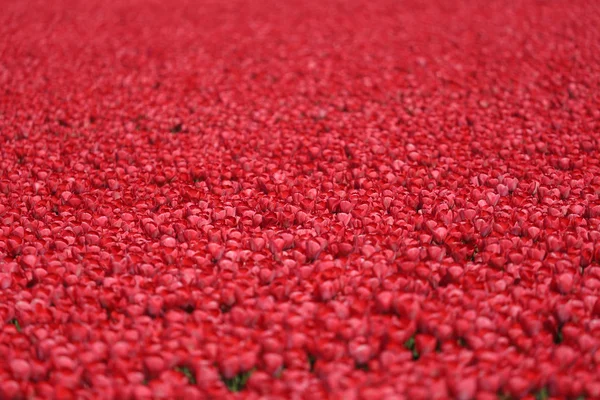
(300, 199)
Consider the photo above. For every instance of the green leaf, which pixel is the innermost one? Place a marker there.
(186, 371)
(542, 394)
(238, 382)
(312, 360)
(558, 337)
(410, 344)
(363, 367)
(16, 324)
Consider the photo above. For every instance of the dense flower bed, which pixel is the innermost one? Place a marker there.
(301, 199)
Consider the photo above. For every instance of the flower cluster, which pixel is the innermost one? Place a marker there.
(299, 199)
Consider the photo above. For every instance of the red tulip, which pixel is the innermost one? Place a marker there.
(299, 212)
